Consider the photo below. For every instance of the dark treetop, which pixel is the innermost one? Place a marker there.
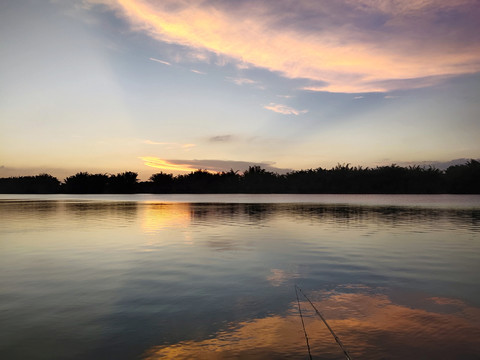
(342, 179)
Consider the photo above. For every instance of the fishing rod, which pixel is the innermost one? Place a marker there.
(303, 324)
(337, 339)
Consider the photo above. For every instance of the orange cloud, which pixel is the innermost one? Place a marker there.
(212, 166)
(349, 53)
(166, 165)
(178, 165)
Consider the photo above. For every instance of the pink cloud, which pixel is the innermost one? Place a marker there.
(284, 109)
(346, 45)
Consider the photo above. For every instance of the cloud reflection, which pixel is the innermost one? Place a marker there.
(279, 277)
(371, 326)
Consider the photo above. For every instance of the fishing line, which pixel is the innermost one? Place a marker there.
(303, 324)
(345, 351)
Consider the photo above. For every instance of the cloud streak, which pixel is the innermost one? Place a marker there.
(342, 46)
(221, 138)
(171, 144)
(160, 61)
(242, 81)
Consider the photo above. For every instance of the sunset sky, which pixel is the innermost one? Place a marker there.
(177, 85)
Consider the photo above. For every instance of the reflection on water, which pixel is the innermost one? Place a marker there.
(157, 217)
(122, 278)
(371, 325)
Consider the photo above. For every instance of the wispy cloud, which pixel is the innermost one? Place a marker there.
(345, 45)
(284, 109)
(242, 81)
(221, 138)
(171, 144)
(150, 142)
(198, 72)
(242, 66)
(160, 61)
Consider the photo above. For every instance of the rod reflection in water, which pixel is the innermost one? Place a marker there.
(373, 325)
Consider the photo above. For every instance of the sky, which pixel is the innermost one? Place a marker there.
(107, 86)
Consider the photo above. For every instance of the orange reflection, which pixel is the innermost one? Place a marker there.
(158, 217)
(370, 326)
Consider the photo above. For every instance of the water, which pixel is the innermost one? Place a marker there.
(212, 276)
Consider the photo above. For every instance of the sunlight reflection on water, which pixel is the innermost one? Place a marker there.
(90, 277)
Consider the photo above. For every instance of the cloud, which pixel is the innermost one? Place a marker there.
(242, 81)
(167, 165)
(198, 72)
(209, 165)
(345, 45)
(284, 109)
(160, 61)
(170, 144)
(151, 142)
(242, 66)
(220, 138)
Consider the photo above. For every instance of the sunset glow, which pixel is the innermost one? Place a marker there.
(141, 85)
(164, 165)
(335, 55)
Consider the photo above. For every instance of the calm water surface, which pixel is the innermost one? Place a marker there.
(212, 276)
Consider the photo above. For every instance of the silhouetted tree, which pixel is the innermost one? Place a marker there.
(258, 180)
(161, 183)
(197, 182)
(421, 180)
(38, 184)
(464, 179)
(342, 178)
(123, 183)
(85, 183)
(229, 182)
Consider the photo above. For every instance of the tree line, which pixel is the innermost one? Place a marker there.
(341, 179)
